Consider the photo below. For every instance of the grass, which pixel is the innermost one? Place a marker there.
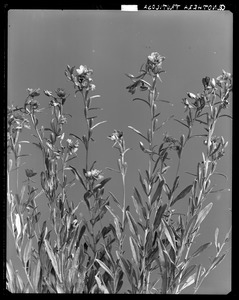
(72, 253)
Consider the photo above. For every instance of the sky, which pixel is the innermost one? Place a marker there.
(41, 43)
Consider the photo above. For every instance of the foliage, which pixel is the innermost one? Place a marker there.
(70, 253)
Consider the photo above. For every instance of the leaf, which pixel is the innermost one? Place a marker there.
(181, 123)
(158, 192)
(97, 124)
(27, 252)
(77, 175)
(103, 265)
(182, 194)
(134, 249)
(169, 234)
(138, 197)
(132, 224)
(201, 249)
(227, 236)
(216, 236)
(138, 132)
(36, 275)
(95, 96)
(187, 272)
(217, 260)
(125, 266)
(115, 199)
(198, 274)
(102, 183)
(52, 258)
(158, 216)
(203, 213)
(101, 286)
(140, 99)
(142, 183)
(189, 281)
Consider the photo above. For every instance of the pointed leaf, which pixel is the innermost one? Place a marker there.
(198, 274)
(97, 124)
(132, 224)
(158, 192)
(142, 183)
(181, 123)
(182, 194)
(158, 216)
(77, 175)
(203, 213)
(115, 199)
(216, 236)
(138, 197)
(169, 234)
(143, 100)
(103, 265)
(52, 258)
(133, 247)
(187, 272)
(217, 260)
(138, 132)
(27, 252)
(189, 281)
(37, 275)
(201, 249)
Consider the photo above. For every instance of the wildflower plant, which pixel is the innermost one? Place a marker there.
(74, 253)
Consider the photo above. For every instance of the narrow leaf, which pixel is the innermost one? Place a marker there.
(182, 194)
(97, 124)
(181, 123)
(169, 234)
(78, 175)
(198, 274)
(158, 216)
(216, 236)
(133, 249)
(189, 281)
(132, 224)
(218, 260)
(138, 197)
(140, 99)
(158, 192)
(187, 272)
(103, 265)
(138, 132)
(52, 258)
(115, 199)
(203, 213)
(27, 252)
(201, 249)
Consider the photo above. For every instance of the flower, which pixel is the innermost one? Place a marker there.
(94, 174)
(116, 135)
(48, 93)
(61, 93)
(30, 173)
(156, 58)
(132, 88)
(71, 146)
(206, 81)
(33, 93)
(224, 77)
(84, 71)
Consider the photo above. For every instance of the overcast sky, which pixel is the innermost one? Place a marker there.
(42, 43)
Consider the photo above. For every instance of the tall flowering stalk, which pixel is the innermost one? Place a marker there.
(165, 240)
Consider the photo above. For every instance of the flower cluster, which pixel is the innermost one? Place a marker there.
(72, 147)
(217, 148)
(33, 93)
(94, 174)
(116, 136)
(154, 63)
(82, 79)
